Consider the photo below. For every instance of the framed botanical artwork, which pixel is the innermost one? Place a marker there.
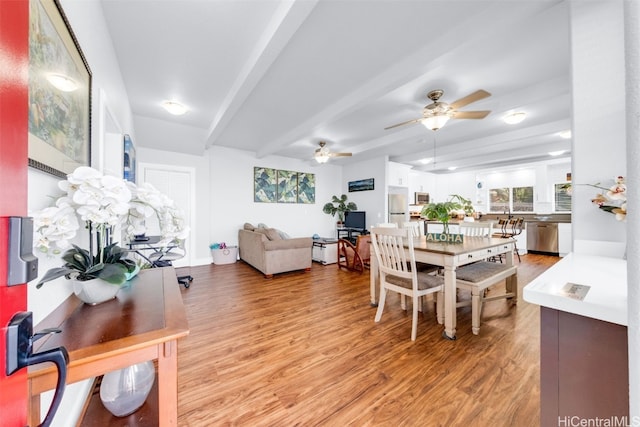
(306, 187)
(129, 161)
(287, 187)
(264, 185)
(59, 93)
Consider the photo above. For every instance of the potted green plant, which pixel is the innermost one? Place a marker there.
(441, 212)
(465, 204)
(339, 205)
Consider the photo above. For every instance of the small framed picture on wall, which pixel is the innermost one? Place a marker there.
(129, 161)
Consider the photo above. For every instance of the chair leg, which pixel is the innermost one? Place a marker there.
(383, 298)
(414, 319)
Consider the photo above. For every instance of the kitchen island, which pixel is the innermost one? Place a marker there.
(583, 338)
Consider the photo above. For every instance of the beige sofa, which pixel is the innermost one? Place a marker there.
(267, 251)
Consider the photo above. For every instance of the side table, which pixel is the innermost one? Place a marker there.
(144, 322)
(325, 250)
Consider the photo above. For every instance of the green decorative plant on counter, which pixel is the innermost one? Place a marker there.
(465, 204)
(339, 206)
(441, 212)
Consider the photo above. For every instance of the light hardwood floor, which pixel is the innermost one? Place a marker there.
(302, 349)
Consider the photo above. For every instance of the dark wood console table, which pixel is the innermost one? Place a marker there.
(144, 322)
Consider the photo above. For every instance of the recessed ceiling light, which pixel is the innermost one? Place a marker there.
(174, 108)
(514, 118)
(62, 82)
(556, 153)
(566, 134)
(452, 168)
(426, 160)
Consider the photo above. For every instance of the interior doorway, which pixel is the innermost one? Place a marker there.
(178, 183)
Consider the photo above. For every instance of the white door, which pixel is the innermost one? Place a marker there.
(178, 183)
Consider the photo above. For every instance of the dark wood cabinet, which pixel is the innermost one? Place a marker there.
(583, 368)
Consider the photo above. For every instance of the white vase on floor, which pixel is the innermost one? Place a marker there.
(94, 291)
(124, 391)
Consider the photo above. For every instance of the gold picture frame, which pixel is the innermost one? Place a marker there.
(59, 93)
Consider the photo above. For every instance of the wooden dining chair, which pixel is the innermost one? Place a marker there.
(477, 229)
(398, 273)
(414, 227)
(354, 257)
(415, 231)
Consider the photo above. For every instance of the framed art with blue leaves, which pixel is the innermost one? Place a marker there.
(264, 185)
(287, 187)
(282, 186)
(306, 187)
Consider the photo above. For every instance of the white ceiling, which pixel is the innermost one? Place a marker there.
(278, 77)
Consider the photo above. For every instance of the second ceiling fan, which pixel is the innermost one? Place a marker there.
(436, 114)
(323, 154)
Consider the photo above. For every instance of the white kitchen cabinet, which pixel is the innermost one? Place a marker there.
(564, 238)
(398, 174)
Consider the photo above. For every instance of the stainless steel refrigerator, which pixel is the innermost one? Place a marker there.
(398, 209)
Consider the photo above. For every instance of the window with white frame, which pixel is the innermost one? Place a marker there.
(511, 199)
(562, 198)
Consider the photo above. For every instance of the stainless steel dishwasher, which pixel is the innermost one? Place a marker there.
(542, 237)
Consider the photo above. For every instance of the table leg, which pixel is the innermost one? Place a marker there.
(34, 410)
(512, 281)
(168, 384)
(373, 280)
(449, 302)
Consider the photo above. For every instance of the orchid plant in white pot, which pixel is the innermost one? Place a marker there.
(101, 202)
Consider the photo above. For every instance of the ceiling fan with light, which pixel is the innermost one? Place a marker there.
(323, 154)
(437, 114)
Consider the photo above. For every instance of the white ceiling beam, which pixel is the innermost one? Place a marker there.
(282, 27)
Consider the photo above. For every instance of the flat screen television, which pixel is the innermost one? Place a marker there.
(355, 219)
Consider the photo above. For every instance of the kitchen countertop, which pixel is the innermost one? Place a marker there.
(558, 218)
(606, 299)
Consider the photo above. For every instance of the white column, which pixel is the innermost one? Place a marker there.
(598, 132)
(632, 69)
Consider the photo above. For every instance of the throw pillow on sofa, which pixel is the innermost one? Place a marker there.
(248, 227)
(271, 233)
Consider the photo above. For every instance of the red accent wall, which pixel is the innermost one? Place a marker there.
(14, 101)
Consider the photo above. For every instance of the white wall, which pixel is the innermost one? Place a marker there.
(373, 202)
(232, 204)
(632, 47)
(163, 135)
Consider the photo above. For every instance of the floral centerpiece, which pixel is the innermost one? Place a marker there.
(611, 199)
(101, 203)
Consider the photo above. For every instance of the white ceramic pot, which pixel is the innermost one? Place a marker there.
(94, 291)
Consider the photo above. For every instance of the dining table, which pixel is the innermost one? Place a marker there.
(450, 256)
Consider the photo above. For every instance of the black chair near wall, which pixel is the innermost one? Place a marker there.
(160, 258)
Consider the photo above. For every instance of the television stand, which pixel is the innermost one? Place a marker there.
(351, 234)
